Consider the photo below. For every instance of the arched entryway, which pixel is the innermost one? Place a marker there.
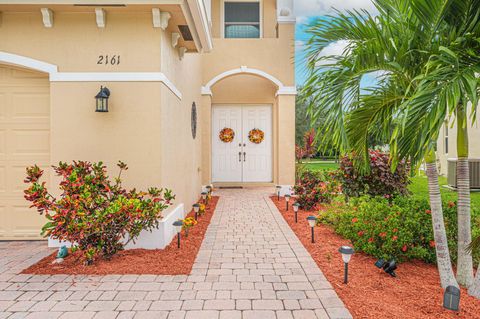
(24, 141)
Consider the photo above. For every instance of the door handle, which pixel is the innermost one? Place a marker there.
(239, 156)
(244, 156)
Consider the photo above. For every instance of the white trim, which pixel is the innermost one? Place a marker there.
(175, 38)
(199, 15)
(160, 19)
(47, 17)
(282, 89)
(29, 63)
(181, 52)
(55, 76)
(100, 17)
(286, 20)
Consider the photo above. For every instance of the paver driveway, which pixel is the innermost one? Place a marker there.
(250, 265)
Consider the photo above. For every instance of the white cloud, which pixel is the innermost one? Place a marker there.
(310, 8)
(336, 48)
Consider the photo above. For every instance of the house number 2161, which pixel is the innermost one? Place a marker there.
(106, 59)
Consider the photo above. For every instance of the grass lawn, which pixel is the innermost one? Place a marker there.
(320, 165)
(419, 188)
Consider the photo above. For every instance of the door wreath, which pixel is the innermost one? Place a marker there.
(256, 136)
(226, 135)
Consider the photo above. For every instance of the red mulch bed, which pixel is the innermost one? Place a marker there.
(168, 261)
(370, 293)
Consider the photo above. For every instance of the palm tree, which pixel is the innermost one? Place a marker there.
(408, 44)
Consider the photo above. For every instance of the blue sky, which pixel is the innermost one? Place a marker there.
(306, 11)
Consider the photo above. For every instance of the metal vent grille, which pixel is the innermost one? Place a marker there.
(185, 31)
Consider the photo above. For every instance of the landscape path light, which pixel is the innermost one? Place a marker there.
(347, 253)
(209, 189)
(204, 197)
(278, 187)
(287, 199)
(178, 227)
(312, 220)
(296, 206)
(196, 208)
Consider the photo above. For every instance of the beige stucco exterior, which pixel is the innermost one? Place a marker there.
(148, 125)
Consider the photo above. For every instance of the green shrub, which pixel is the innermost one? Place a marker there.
(379, 181)
(316, 187)
(400, 228)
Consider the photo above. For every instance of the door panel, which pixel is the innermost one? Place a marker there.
(226, 163)
(242, 160)
(24, 141)
(258, 161)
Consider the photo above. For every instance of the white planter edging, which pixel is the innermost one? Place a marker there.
(156, 239)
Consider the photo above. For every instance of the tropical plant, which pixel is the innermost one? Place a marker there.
(380, 180)
(425, 55)
(316, 187)
(96, 215)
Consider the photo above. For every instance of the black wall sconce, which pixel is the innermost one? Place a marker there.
(102, 100)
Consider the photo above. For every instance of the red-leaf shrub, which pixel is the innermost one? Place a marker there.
(316, 187)
(96, 215)
(380, 181)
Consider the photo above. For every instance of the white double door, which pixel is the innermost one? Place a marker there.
(242, 160)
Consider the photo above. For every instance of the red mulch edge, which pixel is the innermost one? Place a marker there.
(370, 293)
(168, 261)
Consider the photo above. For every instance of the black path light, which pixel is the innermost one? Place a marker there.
(196, 208)
(312, 220)
(102, 99)
(209, 189)
(278, 188)
(204, 197)
(296, 206)
(347, 253)
(451, 298)
(388, 266)
(287, 199)
(178, 227)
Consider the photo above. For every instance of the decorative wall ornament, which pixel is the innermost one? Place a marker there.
(226, 135)
(194, 120)
(256, 136)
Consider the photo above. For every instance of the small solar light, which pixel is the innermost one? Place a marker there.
(209, 189)
(204, 197)
(178, 227)
(196, 208)
(312, 221)
(388, 266)
(451, 298)
(279, 188)
(287, 199)
(296, 206)
(347, 253)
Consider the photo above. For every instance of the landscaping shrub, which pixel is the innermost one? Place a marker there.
(98, 216)
(400, 228)
(316, 187)
(379, 181)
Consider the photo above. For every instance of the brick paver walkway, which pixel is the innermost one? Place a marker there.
(251, 265)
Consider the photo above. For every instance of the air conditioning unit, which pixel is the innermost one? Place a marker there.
(474, 166)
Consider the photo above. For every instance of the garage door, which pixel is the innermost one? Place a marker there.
(24, 140)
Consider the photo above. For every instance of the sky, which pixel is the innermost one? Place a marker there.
(306, 11)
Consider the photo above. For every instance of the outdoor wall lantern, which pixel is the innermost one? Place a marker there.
(278, 187)
(388, 266)
(347, 253)
(287, 199)
(178, 227)
(102, 99)
(196, 208)
(296, 206)
(311, 221)
(451, 298)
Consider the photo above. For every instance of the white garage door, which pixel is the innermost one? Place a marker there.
(24, 141)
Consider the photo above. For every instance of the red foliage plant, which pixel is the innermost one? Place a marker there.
(98, 216)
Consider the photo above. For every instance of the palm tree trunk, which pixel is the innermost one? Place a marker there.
(444, 264)
(464, 261)
(474, 289)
